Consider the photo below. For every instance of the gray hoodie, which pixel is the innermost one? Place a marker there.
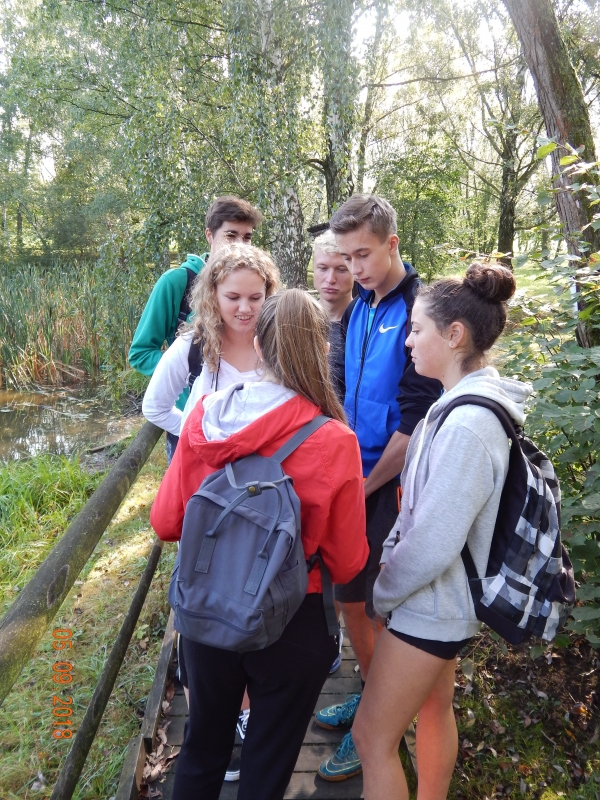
(451, 492)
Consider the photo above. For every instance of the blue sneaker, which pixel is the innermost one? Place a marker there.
(338, 661)
(343, 764)
(338, 717)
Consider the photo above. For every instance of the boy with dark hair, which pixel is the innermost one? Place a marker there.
(229, 219)
(385, 399)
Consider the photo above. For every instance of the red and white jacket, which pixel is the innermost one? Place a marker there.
(326, 470)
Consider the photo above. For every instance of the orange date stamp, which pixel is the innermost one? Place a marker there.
(63, 673)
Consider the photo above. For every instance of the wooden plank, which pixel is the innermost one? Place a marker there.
(178, 706)
(333, 684)
(133, 766)
(157, 692)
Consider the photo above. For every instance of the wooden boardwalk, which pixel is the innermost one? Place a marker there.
(318, 743)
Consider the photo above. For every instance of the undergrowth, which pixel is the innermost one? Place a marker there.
(93, 611)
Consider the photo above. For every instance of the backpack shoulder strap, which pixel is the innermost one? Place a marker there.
(185, 308)
(300, 436)
(477, 400)
(195, 361)
(510, 429)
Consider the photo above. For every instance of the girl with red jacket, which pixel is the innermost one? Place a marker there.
(284, 680)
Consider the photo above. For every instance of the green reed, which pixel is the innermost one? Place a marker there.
(58, 322)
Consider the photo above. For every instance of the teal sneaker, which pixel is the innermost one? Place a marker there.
(338, 717)
(343, 764)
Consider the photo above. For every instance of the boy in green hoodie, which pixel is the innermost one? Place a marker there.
(229, 219)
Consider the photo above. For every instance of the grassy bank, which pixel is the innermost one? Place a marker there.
(93, 611)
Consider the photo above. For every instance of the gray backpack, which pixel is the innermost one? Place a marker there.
(240, 573)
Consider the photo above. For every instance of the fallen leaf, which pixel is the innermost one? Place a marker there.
(524, 769)
(468, 668)
(480, 746)
(497, 728)
(470, 718)
(523, 786)
(174, 753)
(558, 768)
(579, 708)
(493, 752)
(162, 735)
(159, 750)
(154, 793)
(155, 774)
(468, 688)
(527, 722)
(165, 706)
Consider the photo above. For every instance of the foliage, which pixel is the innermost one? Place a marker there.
(61, 322)
(565, 420)
(420, 181)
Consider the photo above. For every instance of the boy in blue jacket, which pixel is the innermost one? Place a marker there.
(385, 399)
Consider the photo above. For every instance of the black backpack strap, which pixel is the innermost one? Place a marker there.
(510, 429)
(333, 626)
(185, 308)
(195, 361)
(300, 436)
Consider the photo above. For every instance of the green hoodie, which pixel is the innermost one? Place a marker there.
(159, 321)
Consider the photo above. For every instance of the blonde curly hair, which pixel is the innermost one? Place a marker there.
(207, 323)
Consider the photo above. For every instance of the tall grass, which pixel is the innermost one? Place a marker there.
(63, 322)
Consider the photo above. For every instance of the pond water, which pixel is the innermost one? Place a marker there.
(60, 421)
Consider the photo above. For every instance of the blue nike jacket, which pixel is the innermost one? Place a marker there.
(384, 393)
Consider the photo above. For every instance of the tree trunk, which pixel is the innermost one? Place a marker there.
(373, 58)
(290, 247)
(562, 104)
(508, 199)
(340, 89)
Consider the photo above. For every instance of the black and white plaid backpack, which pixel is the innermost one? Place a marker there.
(529, 587)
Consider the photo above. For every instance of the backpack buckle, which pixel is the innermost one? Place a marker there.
(254, 488)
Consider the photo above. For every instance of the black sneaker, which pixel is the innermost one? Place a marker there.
(233, 770)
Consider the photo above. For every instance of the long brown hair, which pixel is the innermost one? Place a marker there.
(207, 322)
(293, 330)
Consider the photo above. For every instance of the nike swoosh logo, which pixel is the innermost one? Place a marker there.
(384, 330)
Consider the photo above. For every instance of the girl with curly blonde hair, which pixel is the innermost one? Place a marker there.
(226, 299)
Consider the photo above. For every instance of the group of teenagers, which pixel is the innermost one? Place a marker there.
(388, 498)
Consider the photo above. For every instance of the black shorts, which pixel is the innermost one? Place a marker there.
(382, 513)
(446, 650)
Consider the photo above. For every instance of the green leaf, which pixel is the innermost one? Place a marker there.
(565, 160)
(592, 501)
(536, 651)
(562, 640)
(584, 613)
(546, 149)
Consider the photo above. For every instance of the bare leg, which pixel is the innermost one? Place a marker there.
(362, 633)
(245, 701)
(402, 680)
(437, 738)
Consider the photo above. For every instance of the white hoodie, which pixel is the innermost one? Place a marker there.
(451, 492)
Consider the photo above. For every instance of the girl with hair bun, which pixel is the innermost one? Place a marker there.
(284, 680)
(452, 482)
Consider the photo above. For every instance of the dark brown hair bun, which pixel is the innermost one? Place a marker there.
(491, 281)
